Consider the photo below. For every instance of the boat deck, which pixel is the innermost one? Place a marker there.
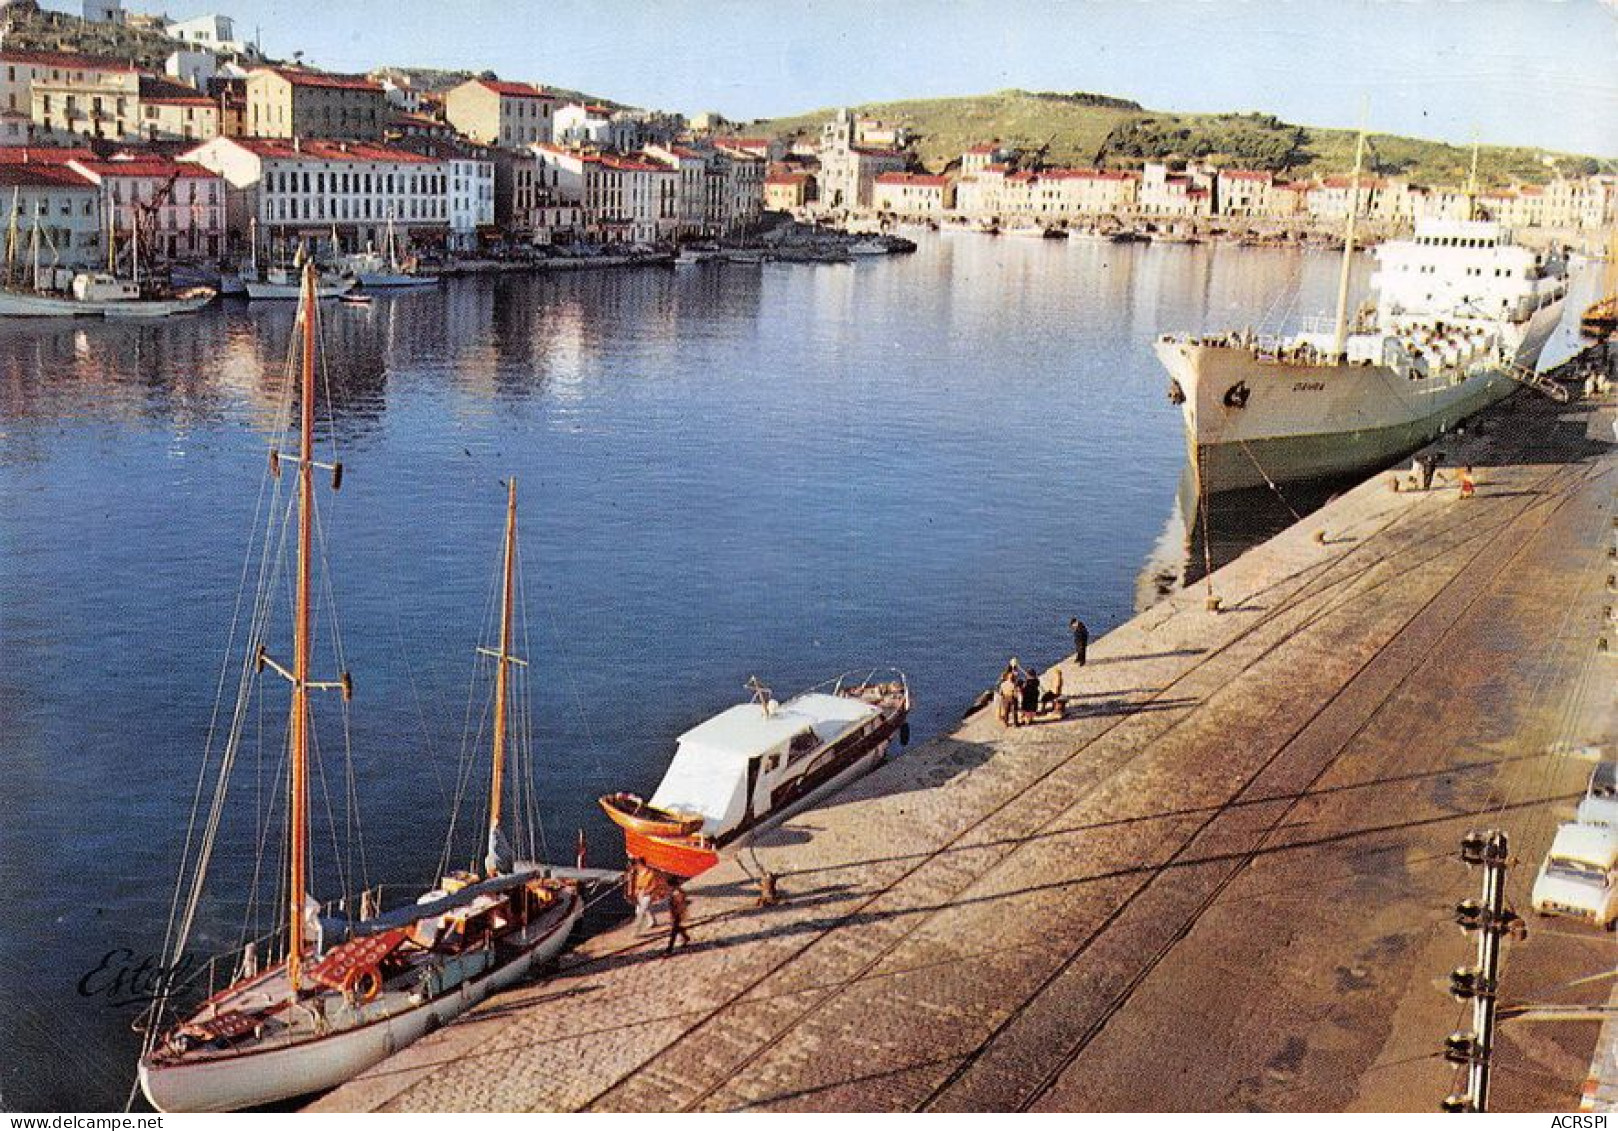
(1224, 881)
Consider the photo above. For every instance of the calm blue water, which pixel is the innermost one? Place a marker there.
(931, 461)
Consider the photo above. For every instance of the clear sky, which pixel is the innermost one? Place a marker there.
(1531, 72)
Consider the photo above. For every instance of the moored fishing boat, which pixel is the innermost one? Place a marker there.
(753, 765)
(347, 984)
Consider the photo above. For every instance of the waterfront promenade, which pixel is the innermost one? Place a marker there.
(1225, 881)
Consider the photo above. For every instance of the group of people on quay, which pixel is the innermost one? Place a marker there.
(1022, 696)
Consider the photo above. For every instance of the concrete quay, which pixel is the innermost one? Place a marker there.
(1223, 882)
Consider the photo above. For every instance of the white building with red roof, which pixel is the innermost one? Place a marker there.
(172, 110)
(58, 213)
(912, 194)
(848, 171)
(512, 115)
(309, 187)
(1243, 192)
(45, 94)
(288, 102)
(177, 206)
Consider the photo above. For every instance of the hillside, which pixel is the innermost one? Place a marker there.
(1088, 129)
(56, 31)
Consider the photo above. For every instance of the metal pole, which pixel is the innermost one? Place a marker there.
(1483, 1005)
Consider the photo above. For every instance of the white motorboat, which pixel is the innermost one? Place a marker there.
(753, 765)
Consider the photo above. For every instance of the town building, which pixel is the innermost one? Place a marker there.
(1167, 193)
(179, 207)
(787, 190)
(691, 163)
(213, 33)
(192, 67)
(512, 115)
(284, 102)
(912, 194)
(977, 159)
(1330, 199)
(470, 170)
(61, 204)
(104, 11)
(740, 175)
(174, 110)
(76, 94)
(230, 95)
(310, 187)
(1244, 192)
(848, 171)
(624, 199)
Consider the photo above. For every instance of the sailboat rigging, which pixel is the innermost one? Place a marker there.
(346, 990)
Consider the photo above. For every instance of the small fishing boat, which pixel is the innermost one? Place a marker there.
(345, 985)
(755, 764)
(871, 245)
(355, 299)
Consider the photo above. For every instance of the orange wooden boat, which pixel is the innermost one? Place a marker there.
(634, 814)
(685, 857)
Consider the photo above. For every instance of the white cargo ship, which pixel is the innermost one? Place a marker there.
(1461, 315)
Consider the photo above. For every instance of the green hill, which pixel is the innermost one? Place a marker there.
(1089, 129)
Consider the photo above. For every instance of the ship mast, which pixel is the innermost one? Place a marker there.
(298, 674)
(1340, 333)
(502, 676)
(299, 783)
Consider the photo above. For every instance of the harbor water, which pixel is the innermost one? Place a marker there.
(928, 461)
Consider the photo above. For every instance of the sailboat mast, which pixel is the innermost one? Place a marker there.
(1340, 335)
(298, 784)
(503, 664)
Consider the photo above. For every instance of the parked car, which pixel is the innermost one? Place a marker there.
(1600, 804)
(1580, 875)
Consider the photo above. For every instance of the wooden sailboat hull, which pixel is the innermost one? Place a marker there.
(256, 1077)
(633, 813)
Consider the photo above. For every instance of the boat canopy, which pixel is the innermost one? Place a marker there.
(709, 772)
(1595, 845)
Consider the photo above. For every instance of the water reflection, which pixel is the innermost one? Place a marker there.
(784, 470)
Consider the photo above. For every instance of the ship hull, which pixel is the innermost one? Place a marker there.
(255, 1078)
(1251, 421)
(264, 290)
(379, 281)
(18, 304)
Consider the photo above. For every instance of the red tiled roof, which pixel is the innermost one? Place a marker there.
(1246, 175)
(514, 89)
(153, 167)
(631, 164)
(746, 142)
(866, 151)
(319, 149)
(803, 178)
(924, 180)
(65, 59)
(1086, 175)
(323, 79)
(33, 174)
(42, 155)
(171, 93)
(986, 148)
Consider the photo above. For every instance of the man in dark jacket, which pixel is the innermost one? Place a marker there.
(1081, 640)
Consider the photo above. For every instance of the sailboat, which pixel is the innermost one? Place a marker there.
(281, 283)
(374, 269)
(318, 1014)
(52, 291)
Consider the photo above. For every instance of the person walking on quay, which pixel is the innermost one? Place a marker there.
(1469, 485)
(1051, 700)
(678, 905)
(1081, 640)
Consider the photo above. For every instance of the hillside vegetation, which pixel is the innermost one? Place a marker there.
(1088, 129)
(57, 31)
